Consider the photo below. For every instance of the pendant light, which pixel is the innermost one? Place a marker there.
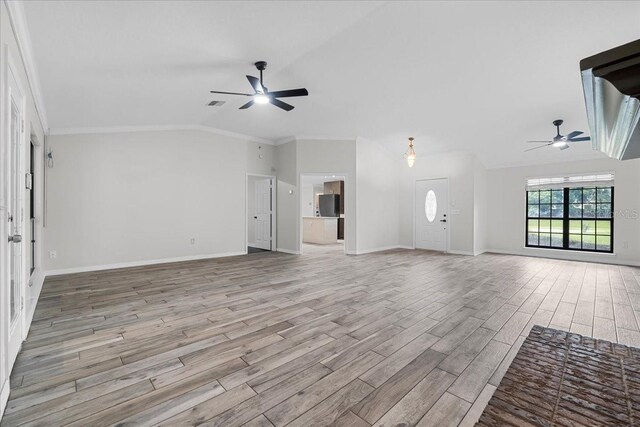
(410, 155)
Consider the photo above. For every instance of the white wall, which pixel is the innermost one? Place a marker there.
(307, 199)
(506, 208)
(377, 180)
(287, 200)
(119, 198)
(480, 206)
(459, 168)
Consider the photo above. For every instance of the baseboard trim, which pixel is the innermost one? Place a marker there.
(577, 258)
(60, 272)
(456, 252)
(287, 251)
(379, 249)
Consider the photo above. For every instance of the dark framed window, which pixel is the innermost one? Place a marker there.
(571, 218)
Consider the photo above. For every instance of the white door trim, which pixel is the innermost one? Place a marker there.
(349, 218)
(413, 208)
(274, 207)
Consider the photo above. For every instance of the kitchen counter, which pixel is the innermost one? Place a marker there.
(321, 230)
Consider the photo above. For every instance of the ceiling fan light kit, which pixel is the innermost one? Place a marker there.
(262, 95)
(561, 141)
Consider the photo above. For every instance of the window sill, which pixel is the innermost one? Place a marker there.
(567, 251)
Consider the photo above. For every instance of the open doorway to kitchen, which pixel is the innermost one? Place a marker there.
(261, 213)
(322, 208)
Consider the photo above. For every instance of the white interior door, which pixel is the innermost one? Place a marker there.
(432, 214)
(263, 213)
(13, 315)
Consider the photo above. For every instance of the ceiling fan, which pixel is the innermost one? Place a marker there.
(560, 141)
(262, 95)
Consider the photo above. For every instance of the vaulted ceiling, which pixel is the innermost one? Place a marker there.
(458, 76)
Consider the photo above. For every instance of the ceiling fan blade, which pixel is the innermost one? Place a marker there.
(539, 142)
(255, 83)
(280, 104)
(540, 146)
(231, 93)
(574, 134)
(289, 93)
(247, 105)
(584, 138)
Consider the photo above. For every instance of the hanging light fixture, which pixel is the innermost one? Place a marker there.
(410, 155)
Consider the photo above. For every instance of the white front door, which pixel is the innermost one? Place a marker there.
(432, 214)
(13, 308)
(263, 213)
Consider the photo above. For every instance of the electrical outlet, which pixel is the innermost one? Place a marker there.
(193, 240)
(53, 254)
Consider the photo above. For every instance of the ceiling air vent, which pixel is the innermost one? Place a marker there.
(611, 83)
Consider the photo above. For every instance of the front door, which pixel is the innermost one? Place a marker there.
(14, 315)
(432, 214)
(263, 213)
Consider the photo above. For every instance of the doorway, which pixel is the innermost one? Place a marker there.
(431, 214)
(261, 213)
(12, 277)
(322, 213)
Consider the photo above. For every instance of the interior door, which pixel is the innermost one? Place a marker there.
(432, 214)
(14, 245)
(263, 213)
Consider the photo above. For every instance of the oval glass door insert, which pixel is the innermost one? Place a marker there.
(430, 206)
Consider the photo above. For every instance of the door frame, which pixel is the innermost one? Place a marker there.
(413, 208)
(9, 68)
(274, 207)
(347, 207)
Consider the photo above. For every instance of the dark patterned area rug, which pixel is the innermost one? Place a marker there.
(564, 379)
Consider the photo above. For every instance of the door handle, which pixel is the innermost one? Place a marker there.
(15, 238)
(443, 220)
(255, 217)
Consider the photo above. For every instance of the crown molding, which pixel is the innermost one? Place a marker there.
(156, 128)
(18, 22)
(286, 140)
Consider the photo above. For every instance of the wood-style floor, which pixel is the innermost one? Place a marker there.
(400, 337)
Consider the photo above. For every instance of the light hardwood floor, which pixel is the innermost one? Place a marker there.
(271, 339)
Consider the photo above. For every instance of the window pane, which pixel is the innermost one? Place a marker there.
(589, 195)
(574, 241)
(545, 196)
(575, 211)
(603, 228)
(588, 227)
(588, 242)
(545, 211)
(557, 211)
(545, 239)
(575, 195)
(603, 243)
(556, 226)
(533, 226)
(604, 210)
(532, 197)
(532, 239)
(575, 226)
(545, 226)
(604, 195)
(558, 196)
(589, 211)
(533, 211)
(556, 240)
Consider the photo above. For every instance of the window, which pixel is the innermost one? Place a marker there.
(563, 215)
(430, 206)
